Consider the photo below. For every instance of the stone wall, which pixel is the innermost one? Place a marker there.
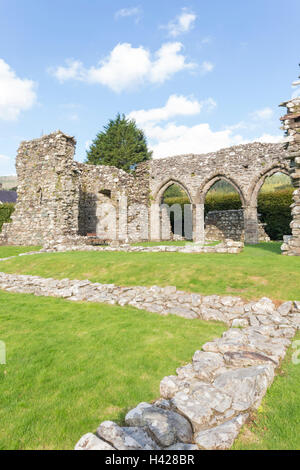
(48, 191)
(229, 224)
(291, 126)
(59, 198)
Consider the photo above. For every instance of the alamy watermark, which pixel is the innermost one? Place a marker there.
(2, 353)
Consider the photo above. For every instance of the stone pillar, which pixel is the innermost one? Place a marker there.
(251, 225)
(291, 126)
(198, 223)
(155, 233)
(292, 246)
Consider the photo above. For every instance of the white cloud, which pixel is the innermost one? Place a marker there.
(262, 114)
(206, 67)
(271, 139)
(127, 67)
(127, 12)
(168, 61)
(177, 105)
(296, 92)
(7, 166)
(173, 139)
(87, 144)
(183, 23)
(16, 94)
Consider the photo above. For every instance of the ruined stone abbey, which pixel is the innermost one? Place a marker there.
(60, 199)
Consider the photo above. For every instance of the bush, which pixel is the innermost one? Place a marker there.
(275, 211)
(274, 208)
(6, 211)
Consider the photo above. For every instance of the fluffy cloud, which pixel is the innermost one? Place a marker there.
(16, 94)
(206, 67)
(127, 12)
(177, 105)
(268, 138)
(183, 23)
(172, 139)
(127, 67)
(263, 114)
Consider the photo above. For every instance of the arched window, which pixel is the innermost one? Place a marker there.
(274, 197)
(223, 209)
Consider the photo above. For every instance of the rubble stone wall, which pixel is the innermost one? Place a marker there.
(58, 197)
(291, 126)
(229, 224)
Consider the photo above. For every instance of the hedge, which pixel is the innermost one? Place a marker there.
(273, 207)
(6, 210)
(276, 213)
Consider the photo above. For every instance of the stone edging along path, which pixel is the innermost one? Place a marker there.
(207, 402)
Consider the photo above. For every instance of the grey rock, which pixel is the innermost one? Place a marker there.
(166, 427)
(91, 442)
(246, 386)
(133, 438)
(285, 308)
(221, 437)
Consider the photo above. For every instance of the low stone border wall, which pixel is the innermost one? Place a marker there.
(207, 402)
(161, 300)
(205, 405)
(228, 246)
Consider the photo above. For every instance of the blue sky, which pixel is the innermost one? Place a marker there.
(196, 75)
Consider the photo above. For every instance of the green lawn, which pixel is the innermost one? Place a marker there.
(258, 271)
(71, 366)
(6, 251)
(276, 426)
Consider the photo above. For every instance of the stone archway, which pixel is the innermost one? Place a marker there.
(160, 216)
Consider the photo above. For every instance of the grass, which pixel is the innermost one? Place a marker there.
(71, 366)
(6, 251)
(276, 426)
(259, 271)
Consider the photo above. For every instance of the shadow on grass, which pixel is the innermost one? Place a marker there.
(272, 247)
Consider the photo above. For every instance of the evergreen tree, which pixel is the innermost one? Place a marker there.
(120, 144)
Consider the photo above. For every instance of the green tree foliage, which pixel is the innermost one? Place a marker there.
(275, 212)
(120, 144)
(5, 212)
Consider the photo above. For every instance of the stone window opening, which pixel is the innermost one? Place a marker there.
(105, 192)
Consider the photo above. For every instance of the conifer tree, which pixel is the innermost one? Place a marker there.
(120, 144)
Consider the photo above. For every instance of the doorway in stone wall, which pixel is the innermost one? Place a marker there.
(274, 199)
(223, 212)
(176, 214)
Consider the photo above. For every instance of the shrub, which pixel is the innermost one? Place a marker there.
(275, 211)
(6, 211)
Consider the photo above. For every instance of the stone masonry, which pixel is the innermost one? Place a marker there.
(291, 126)
(59, 197)
(221, 225)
